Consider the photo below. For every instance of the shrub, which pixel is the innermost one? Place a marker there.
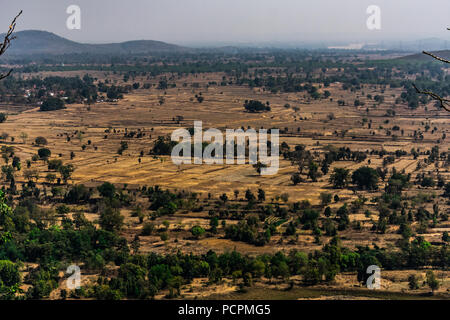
(197, 231)
(40, 141)
(9, 273)
(148, 229)
(44, 153)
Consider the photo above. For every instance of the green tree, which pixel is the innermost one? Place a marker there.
(107, 190)
(366, 259)
(66, 172)
(52, 103)
(16, 163)
(432, 282)
(214, 223)
(447, 190)
(313, 172)
(148, 228)
(111, 219)
(325, 198)
(44, 153)
(366, 178)
(413, 282)
(445, 237)
(249, 195)
(6, 215)
(258, 166)
(132, 281)
(296, 178)
(197, 231)
(9, 273)
(261, 195)
(40, 141)
(340, 178)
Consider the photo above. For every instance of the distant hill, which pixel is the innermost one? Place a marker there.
(423, 57)
(34, 42)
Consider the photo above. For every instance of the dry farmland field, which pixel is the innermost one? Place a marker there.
(363, 179)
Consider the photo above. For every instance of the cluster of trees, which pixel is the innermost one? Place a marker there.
(248, 231)
(343, 154)
(163, 146)
(304, 159)
(113, 92)
(54, 92)
(364, 178)
(33, 90)
(31, 176)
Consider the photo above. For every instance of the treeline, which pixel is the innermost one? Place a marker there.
(53, 92)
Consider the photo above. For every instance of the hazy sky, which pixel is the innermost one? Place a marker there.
(203, 21)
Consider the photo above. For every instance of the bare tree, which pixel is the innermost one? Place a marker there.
(7, 42)
(444, 103)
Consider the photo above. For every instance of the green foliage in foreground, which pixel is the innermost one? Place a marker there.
(99, 249)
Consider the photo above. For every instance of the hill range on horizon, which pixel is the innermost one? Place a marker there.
(37, 42)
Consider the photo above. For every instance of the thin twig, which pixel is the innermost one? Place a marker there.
(7, 42)
(3, 76)
(444, 103)
(434, 96)
(436, 57)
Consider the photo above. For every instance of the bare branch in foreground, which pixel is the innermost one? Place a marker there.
(7, 42)
(445, 103)
(436, 57)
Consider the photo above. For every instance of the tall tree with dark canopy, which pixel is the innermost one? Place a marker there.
(366, 178)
